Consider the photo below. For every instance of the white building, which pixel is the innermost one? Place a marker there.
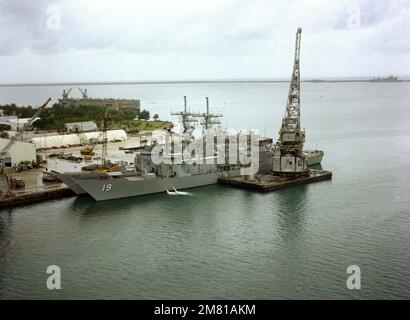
(112, 136)
(77, 127)
(14, 122)
(63, 140)
(20, 151)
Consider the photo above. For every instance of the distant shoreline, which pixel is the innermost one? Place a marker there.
(191, 82)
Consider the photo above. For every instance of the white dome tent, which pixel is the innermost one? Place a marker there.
(56, 141)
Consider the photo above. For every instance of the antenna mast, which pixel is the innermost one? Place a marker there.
(209, 119)
(186, 117)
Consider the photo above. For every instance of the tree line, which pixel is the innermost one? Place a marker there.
(55, 117)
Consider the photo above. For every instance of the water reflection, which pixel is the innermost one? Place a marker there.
(292, 203)
(6, 221)
(139, 204)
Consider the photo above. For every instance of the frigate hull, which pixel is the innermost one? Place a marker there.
(70, 182)
(123, 187)
(68, 179)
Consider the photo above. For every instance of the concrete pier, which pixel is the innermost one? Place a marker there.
(34, 196)
(268, 182)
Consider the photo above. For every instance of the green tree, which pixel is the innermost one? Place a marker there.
(144, 115)
(130, 114)
(156, 117)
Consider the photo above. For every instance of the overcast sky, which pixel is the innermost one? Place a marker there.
(107, 40)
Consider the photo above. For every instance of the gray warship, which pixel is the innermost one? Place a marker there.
(145, 177)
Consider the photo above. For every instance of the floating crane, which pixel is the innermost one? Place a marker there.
(288, 157)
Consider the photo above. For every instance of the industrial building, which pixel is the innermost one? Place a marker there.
(77, 127)
(18, 152)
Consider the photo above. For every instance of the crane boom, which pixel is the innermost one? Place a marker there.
(26, 126)
(104, 147)
(84, 93)
(66, 93)
(291, 121)
(288, 157)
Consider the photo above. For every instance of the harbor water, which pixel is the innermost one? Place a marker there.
(222, 243)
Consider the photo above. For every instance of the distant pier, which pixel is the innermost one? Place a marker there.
(266, 182)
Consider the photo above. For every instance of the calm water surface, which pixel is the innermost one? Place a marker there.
(220, 242)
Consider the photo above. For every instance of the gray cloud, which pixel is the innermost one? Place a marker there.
(181, 30)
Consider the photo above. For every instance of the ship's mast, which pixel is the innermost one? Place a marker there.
(209, 119)
(187, 118)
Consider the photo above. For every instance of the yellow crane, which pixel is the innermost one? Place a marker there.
(104, 138)
(12, 182)
(26, 126)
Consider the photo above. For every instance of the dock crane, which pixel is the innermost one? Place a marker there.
(12, 182)
(84, 93)
(66, 93)
(26, 127)
(104, 138)
(288, 157)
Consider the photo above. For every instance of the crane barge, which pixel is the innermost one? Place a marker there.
(289, 160)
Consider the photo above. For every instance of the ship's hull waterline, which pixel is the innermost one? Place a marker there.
(123, 187)
(70, 181)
